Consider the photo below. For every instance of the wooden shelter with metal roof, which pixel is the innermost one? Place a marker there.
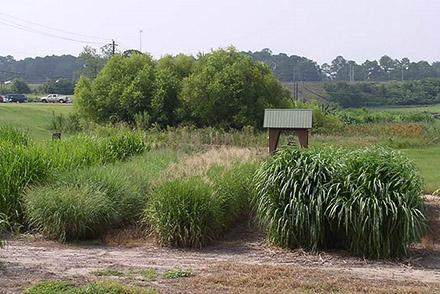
(279, 120)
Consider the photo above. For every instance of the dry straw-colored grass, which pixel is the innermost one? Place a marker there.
(200, 164)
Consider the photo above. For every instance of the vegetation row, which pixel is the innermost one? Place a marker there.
(23, 162)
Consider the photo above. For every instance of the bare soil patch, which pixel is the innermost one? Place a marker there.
(241, 262)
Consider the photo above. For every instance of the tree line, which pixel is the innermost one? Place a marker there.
(297, 68)
(286, 68)
(384, 93)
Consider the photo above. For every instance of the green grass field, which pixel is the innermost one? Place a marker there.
(427, 161)
(32, 117)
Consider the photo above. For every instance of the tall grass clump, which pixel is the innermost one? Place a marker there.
(367, 201)
(23, 163)
(3, 227)
(84, 150)
(125, 186)
(294, 188)
(127, 195)
(234, 190)
(13, 136)
(381, 209)
(182, 213)
(201, 198)
(69, 212)
(19, 166)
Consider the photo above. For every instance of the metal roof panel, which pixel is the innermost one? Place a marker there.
(288, 118)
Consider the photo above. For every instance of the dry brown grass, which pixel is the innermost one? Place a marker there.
(247, 278)
(199, 164)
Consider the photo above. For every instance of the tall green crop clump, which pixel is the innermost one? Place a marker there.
(381, 209)
(294, 189)
(367, 201)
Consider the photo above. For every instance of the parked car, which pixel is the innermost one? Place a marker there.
(18, 98)
(55, 98)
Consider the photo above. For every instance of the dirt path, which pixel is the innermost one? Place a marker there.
(26, 261)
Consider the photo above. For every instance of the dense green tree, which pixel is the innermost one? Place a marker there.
(391, 93)
(289, 68)
(123, 88)
(60, 86)
(230, 90)
(19, 86)
(92, 62)
(170, 72)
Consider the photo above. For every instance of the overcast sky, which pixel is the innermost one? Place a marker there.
(317, 29)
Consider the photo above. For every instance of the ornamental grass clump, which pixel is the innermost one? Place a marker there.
(182, 213)
(367, 201)
(20, 166)
(70, 212)
(380, 210)
(294, 188)
(13, 136)
(200, 198)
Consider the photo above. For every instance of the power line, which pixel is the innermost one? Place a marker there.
(30, 30)
(52, 28)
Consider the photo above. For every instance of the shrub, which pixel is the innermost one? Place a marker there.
(69, 212)
(381, 208)
(182, 213)
(293, 191)
(367, 201)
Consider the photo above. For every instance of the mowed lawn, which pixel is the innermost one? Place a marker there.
(427, 161)
(32, 117)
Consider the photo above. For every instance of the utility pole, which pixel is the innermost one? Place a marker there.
(140, 40)
(402, 72)
(113, 47)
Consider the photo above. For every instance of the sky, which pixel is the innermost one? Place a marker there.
(317, 29)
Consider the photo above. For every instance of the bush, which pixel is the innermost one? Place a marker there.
(367, 201)
(230, 90)
(70, 212)
(381, 208)
(182, 213)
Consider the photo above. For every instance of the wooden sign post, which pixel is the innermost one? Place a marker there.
(279, 120)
